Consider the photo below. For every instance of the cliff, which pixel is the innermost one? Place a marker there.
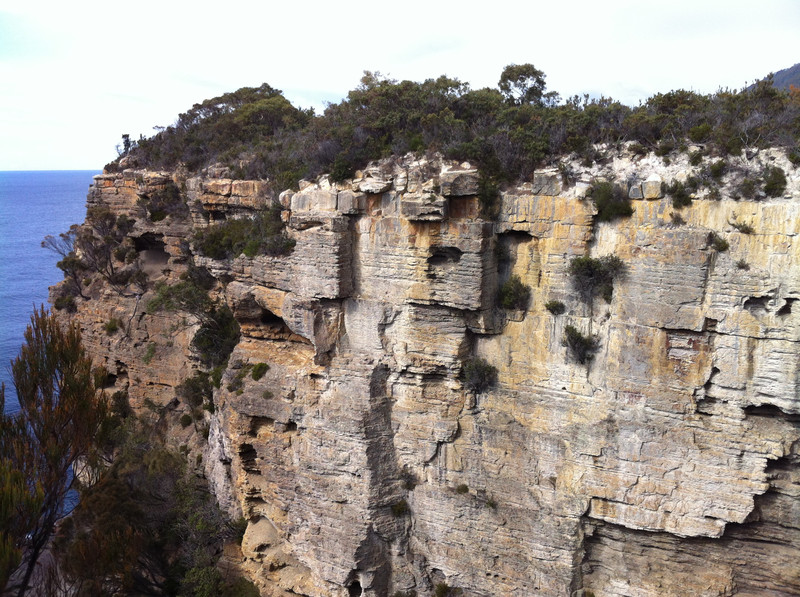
(665, 465)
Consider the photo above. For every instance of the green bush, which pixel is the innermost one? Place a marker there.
(581, 348)
(681, 197)
(743, 227)
(217, 336)
(591, 276)
(611, 201)
(149, 353)
(774, 182)
(442, 589)
(696, 158)
(717, 169)
(555, 307)
(700, 133)
(262, 235)
(747, 188)
(514, 294)
(716, 242)
(112, 326)
(237, 383)
(259, 369)
(478, 375)
(195, 390)
(186, 420)
(163, 202)
(462, 488)
(742, 264)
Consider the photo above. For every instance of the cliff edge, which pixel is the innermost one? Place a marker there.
(662, 461)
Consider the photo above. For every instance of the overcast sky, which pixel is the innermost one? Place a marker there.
(76, 75)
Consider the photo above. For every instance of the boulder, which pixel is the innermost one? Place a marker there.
(651, 188)
(458, 183)
(547, 182)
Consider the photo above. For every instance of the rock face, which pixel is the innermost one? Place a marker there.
(667, 465)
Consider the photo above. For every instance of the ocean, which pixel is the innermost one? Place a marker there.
(33, 204)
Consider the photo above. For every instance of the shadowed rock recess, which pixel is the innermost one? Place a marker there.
(667, 464)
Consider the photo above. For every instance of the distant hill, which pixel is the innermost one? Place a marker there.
(787, 76)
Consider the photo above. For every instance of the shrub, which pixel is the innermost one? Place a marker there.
(149, 353)
(677, 219)
(462, 489)
(66, 303)
(491, 503)
(611, 201)
(400, 508)
(237, 383)
(700, 133)
(262, 235)
(478, 375)
(747, 188)
(717, 169)
(112, 326)
(664, 148)
(794, 157)
(716, 242)
(581, 348)
(442, 589)
(743, 227)
(195, 390)
(217, 336)
(164, 202)
(696, 158)
(259, 369)
(514, 294)
(680, 194)
(186, 420)
(742, 264)
(555, 307)
(488, 197)
(774, 182)
(592, 276)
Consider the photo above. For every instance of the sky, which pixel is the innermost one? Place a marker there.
(77, 75)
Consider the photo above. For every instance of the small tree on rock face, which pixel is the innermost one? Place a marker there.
(478, 375)
(592, 276)
(61, 412)
(581, 348)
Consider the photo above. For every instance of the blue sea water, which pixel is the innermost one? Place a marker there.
(33, 204)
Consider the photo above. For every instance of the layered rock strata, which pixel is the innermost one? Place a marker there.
(668, 465)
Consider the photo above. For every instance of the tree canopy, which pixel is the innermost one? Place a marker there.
(55, 430)
(508, 131)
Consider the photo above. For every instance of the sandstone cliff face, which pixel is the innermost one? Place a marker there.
(666, 466)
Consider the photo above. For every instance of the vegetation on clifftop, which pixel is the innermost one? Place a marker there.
(508, 131)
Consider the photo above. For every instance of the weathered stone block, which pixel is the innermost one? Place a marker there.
(352, 203)
(218, 187)
(651, 188)
(547, 182)
(314, 200)
(457, 183)
(431, 208)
